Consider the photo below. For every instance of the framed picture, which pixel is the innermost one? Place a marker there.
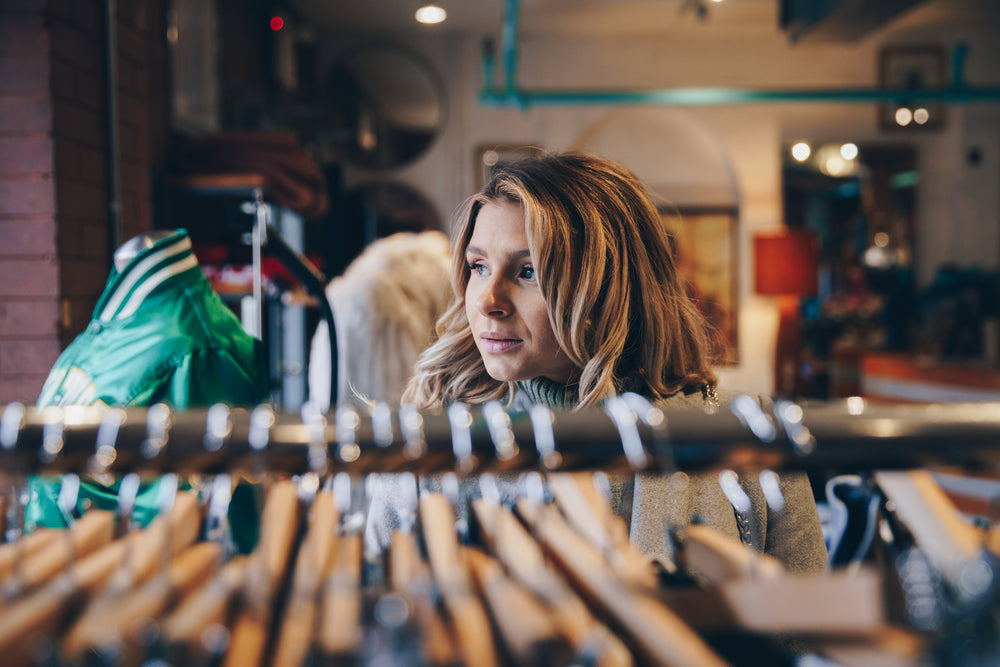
(911, 67)
(705, 251)
(491, 157)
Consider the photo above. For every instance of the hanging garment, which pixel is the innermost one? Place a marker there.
(385, 305)
(159, 333)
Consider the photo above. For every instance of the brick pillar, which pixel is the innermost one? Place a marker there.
(29, 267)
(54, 255)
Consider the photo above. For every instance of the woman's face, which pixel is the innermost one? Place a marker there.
(506, 309)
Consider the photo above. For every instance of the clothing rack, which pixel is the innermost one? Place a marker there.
(552, 579)
(628, 433)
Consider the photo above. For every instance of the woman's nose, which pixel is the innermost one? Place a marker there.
(493, 299)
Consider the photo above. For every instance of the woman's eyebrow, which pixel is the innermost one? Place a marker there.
(517, 254)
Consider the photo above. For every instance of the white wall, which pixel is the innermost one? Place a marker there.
(959, 216)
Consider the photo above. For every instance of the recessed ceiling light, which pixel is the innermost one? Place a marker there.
(431, 14)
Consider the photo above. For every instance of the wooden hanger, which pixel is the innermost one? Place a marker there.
(410, 577)
(659, 635)
(116, 627)
(45, 552)
(714, 557)
(469, 621)
(143, 581)
(744, 590)
(838, 613)
(279, 526)
(35, 617)
(341, 634)
(340, 626)
(523, 558)
(592, 517)
(181, 630)
(39, 614)
(523, 622)
(950, 542)
(298, 626)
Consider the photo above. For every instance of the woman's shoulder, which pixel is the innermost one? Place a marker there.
(714, 401)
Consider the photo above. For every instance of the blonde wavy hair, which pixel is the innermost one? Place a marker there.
(605, 267)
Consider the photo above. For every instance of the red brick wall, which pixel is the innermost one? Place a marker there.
(29, 268)
(54, 256)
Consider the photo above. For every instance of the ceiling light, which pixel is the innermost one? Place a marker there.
(849, 151)
(921, 116)
(800, 151)
(431, 14)
(903, 116)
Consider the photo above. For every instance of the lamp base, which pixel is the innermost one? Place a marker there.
(787, 348)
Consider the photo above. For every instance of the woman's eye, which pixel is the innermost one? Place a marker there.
(528, 272)
(478, 268)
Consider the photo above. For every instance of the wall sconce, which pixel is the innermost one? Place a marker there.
(785, 266)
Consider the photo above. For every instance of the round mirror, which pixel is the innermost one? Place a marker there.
(386, 104)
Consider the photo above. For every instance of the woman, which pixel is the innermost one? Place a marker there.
(566, 293)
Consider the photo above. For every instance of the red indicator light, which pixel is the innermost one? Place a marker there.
(277, 23)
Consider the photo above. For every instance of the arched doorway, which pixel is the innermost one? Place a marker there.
(689, 174)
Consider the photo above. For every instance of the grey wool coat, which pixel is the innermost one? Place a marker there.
(663, 503)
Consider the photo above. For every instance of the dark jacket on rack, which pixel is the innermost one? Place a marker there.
(661, 502)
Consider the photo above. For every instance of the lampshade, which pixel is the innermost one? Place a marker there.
(785, 263)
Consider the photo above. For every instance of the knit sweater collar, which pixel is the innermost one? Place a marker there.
(558, 396)
(543, 391)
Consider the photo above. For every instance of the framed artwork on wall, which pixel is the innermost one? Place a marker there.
(911, 67)
(705, 252)
(491, 157)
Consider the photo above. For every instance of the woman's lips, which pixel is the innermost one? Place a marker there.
(497, 343)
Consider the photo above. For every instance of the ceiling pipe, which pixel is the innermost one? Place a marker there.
(511, 95)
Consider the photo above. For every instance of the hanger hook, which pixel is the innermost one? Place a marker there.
(461, 436)
(11, 422)
(381, 416)
(498, 422)
(411, 423)
(52, 434)
(488, 488)
(770, 484)
(159, 419)
(655, 419)
(218, 427)
(106, 444)
(128, 491)
(69, 492)
(751, 415)
(624, 418)
(262, 419)
(347, 421)
(542, 419)
(217, 517)
(317, 453)
(790, 415)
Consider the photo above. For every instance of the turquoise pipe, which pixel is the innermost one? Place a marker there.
(511, 95)
(520, 98)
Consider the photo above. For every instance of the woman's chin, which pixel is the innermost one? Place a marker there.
(504, 374)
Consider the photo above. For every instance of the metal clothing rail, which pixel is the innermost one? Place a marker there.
(628, 433)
